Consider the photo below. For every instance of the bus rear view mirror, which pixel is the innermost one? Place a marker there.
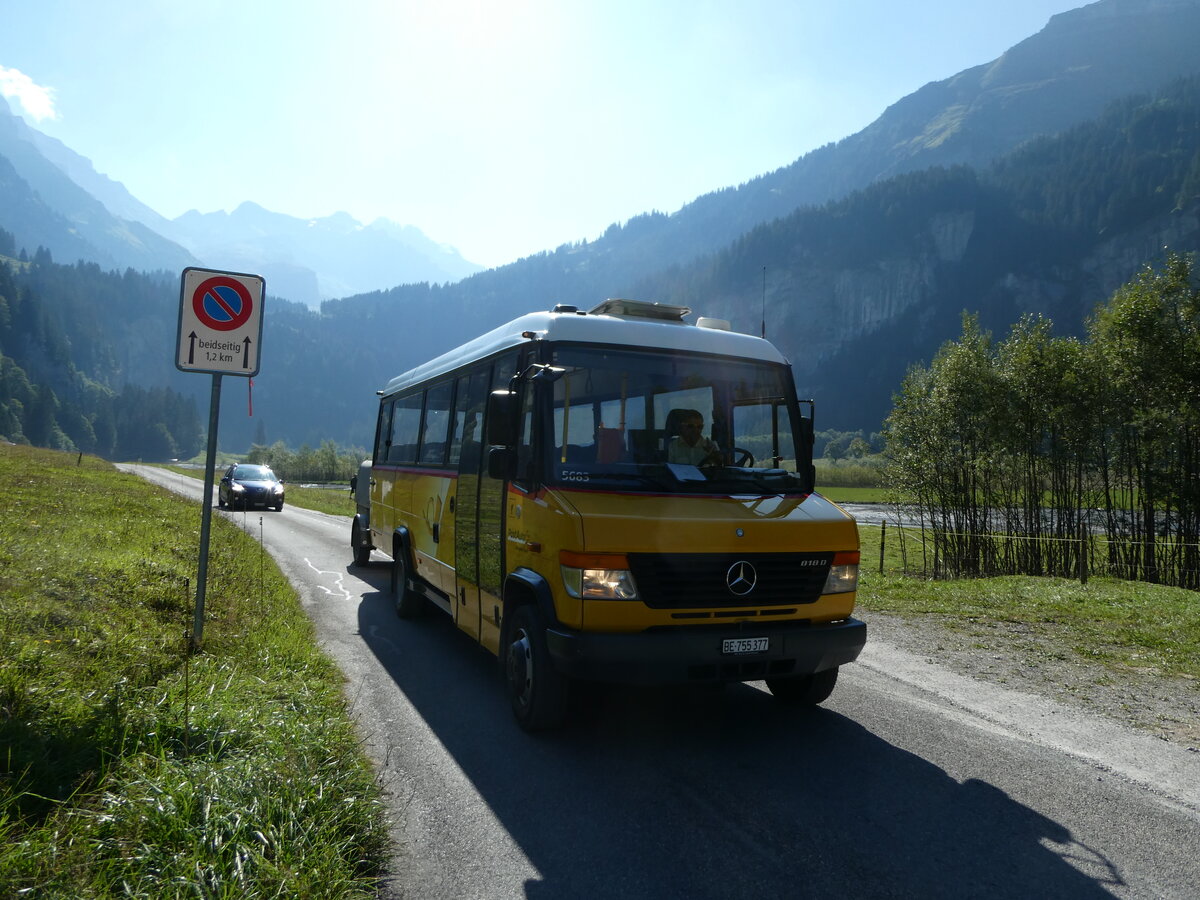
(502, 419)
(806, 429)
(501, 463)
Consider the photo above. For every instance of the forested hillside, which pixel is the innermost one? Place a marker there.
(859, 290)
(62, 380)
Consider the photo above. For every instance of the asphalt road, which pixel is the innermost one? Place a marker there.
(909, 782)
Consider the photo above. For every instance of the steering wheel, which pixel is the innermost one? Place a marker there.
(742, 458)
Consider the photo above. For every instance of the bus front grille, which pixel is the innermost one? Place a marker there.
(705, 580)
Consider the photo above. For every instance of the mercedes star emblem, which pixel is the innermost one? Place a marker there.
(741, 578)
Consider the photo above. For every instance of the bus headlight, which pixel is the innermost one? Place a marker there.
(597, 576)
(843, 574)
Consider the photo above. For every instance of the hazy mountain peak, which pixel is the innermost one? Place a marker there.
(340, 220)
(249, 208)
(314, 259)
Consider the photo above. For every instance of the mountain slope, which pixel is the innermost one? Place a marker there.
(859, 290)
(40, 226)
(1062, 75)
(53, 197)
(1065, 74)
(90, 232)
(112, 194)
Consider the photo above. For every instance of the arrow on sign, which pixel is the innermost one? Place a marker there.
(191, 348)
(246, 353)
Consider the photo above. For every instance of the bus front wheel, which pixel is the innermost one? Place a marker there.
(538, 692)
(805, 690)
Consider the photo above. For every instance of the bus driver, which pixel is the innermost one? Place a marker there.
(690, 447)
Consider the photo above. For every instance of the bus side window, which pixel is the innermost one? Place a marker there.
(458, 426)
(436, 423)
(383, 432)
(506, 368)
(765, 431)
(406, 424)
(525, 454)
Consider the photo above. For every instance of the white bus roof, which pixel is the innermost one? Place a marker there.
(626, 323)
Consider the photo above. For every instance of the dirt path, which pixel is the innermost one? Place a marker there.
(1013, 655)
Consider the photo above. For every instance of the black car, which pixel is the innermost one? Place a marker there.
(245, 486)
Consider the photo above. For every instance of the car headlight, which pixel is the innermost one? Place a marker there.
(238, 489)
(843, 574)
(597, 576)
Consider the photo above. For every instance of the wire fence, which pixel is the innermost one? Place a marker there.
(936, 552)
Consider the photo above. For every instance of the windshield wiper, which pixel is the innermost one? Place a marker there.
(768, 480)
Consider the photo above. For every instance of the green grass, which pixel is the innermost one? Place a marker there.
(326, 500)
(132, 768)
(865, 472)
(852, 494)
(851, 480)
(1121, 625)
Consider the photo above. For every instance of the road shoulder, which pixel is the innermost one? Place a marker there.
(1144, 727)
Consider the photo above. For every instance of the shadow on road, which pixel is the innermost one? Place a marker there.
(688, 793)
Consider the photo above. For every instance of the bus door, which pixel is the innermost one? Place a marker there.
(468, 427)
(433, 492)
(479, 514)
(383, 515)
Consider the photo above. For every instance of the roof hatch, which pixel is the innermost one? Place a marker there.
(640, 309)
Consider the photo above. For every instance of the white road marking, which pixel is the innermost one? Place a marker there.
(338, 576)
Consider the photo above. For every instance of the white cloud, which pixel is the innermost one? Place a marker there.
(35, 100)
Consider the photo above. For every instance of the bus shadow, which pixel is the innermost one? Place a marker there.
(720, 793)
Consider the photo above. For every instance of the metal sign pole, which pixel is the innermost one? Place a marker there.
(214, 408)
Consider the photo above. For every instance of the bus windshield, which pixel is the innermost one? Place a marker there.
(656, 421)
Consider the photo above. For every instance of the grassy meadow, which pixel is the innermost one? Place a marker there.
(1119, 626)
(851, 480)
(133, 768)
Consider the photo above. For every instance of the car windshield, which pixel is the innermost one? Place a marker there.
(668, 422)
(253, 473)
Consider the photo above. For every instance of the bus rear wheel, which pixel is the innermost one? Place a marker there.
(538, 692)
(804, 690)
(409, 604)
(362, 553)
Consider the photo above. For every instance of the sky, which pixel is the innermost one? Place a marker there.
(502, 129)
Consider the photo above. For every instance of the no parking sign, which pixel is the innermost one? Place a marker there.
(220, 322)
(220, 332)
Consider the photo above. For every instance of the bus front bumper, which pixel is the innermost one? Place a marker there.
(685, 655)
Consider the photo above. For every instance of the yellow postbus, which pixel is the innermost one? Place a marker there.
(616, 495)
